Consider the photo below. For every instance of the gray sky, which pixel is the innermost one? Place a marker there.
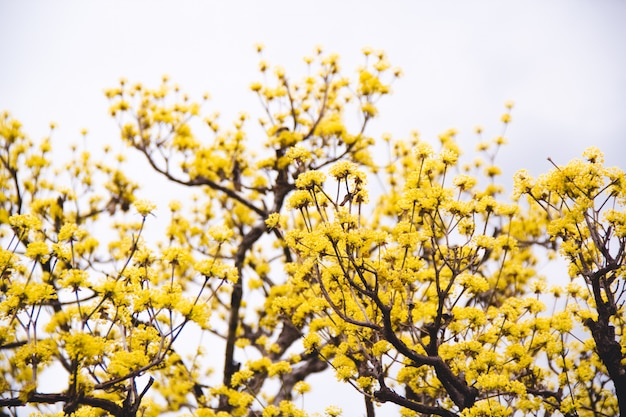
(563, 62)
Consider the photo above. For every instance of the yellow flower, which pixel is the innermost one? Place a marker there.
(342, 169)
(423, 150)
(273, 221)
(500, 140)
(301, 387)
(220, 234)
(561, 322)
(279, 368)
(310, 179)
(382, 65)
(365, 382)
(594, 155)
(312, 342)
(176, 255)
(464, 182)
(279, 71)
(175, 206)
(240, 378)
(242, 342)
(345, 367)
(299, 153)
(67, 232)
(38, 251)
(333, 411)
(381, 347)
(74, 278)
(25, 222)
(492, 171)
(84, 346)
(144, 207)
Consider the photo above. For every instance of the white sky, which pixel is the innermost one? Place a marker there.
(562, 62)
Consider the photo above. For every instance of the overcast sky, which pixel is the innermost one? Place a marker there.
(562, 62)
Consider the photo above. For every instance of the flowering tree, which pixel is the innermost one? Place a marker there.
(437, 291)
(428, 299)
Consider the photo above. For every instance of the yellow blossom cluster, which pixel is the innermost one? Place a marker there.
(426, 294)
(439, 278)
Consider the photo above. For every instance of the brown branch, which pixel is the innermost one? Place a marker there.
(230, 367)
(40, 398)
(461, 394)
(200, 181)
(610, 352)
(386, 394)
(312, 364)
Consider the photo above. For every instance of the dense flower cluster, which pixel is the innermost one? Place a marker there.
(426, 295)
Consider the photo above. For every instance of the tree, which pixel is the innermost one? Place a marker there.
(428, 299)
